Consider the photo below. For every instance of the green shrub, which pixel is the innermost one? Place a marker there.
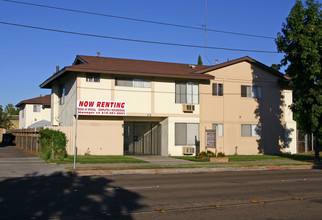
(52, 139)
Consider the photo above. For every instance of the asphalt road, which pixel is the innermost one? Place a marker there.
(288, 194)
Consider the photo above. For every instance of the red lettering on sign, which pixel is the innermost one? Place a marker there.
(122, 105)
(81, 104)
(98, 104)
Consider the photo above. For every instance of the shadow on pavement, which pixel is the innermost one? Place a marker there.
(65, 197)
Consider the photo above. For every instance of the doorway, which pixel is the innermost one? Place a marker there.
(142, 138)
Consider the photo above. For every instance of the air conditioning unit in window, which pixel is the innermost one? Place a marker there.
(188, 150)
(188, 108)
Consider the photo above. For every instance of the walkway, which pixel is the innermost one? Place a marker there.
(17, 163)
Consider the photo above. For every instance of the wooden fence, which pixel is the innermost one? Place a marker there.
(28, 138)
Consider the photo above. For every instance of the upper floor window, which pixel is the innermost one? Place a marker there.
(248, 130)
(92, 77)
(62, 94)
(217, 89)
(187, 93)
(37, 108)
(138, 83)
(251, 91)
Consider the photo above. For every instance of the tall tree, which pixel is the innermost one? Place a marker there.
(5, 119)
(11, 110)
(200, 61)
(301, 41)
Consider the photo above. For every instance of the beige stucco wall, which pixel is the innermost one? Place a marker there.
(232, 110)
(176, 150)
(290, 124)
(31, 117)
(100, 137)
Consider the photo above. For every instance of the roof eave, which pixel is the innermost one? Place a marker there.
(47, 84)
(158, 75)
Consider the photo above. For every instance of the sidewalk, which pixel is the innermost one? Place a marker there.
(166, 161)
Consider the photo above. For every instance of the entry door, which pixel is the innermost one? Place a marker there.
(142, 138)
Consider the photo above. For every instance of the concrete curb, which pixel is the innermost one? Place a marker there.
(189, 170)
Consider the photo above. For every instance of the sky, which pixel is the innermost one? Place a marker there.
(29, 56)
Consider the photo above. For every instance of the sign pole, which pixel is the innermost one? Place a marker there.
(75, 149)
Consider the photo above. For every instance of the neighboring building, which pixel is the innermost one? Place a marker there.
(35, 112)
(155, 94)
(169, 106)
(15, 121)
(248, 104)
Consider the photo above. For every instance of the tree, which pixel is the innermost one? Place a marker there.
(276, 66)
(5, 119)
(11, 110)
(301, 41)
(200, 61)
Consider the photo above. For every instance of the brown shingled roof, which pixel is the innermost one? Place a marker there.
(42, 100)
(242, 59)
(129, 67)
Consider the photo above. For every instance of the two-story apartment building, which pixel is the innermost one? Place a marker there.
(161, 99)
(34, 112)
(247, 103)
(169, 106)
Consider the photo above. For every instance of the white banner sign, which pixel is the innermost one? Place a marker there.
(87, 107)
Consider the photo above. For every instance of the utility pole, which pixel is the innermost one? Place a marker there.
(206, 32)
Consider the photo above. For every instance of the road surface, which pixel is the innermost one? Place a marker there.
(291, 194)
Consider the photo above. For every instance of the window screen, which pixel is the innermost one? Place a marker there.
(219, 129)
(185, 133)
(180, 133)
(92, 77)
(217, 89)
(37, 108)
(250, 130)
(187, 93)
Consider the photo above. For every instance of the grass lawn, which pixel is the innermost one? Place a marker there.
(206, 165)
(237, 158)
(99, 159)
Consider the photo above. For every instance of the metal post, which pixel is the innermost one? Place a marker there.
(52, 150)
(75, 149)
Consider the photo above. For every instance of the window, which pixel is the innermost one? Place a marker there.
(217, 89)
(251, 91)
(22, 109)
(137, 83)
(187, 93)
(37, 108)
(185, 133)
(92, 77)
(219, 129)
(250, 130)
(62, 94)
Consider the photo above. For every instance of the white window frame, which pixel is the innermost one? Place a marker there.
(219, 129)
(62, 94)
(251, 130)
(136, 83)
(186, 93)
(251, 92)
(93, 77)
(191, 131)
(217, 89)
(36, 108)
